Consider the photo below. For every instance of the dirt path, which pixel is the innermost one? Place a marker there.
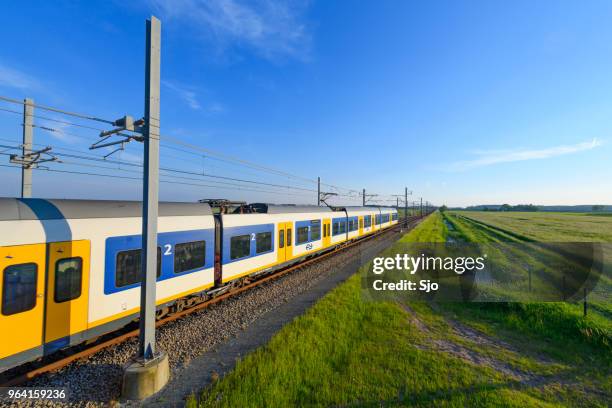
(471, 356)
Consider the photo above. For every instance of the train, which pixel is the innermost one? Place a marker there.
(70, 270)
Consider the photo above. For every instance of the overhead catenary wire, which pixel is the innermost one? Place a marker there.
(210, 153)
(176, 171)
(51, 109)
(218, 184)
(140, 179)
(170, 142)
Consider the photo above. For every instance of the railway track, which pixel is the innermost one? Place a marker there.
(245, 285)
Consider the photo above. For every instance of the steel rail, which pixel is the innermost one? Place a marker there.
(58, 364)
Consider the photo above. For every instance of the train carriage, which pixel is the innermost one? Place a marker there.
(388, 216)
(362, 217)
(70, 270)
(274, 236)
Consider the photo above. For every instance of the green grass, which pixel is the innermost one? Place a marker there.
(557, 330)
(348, 352)
(548, 226)
(483, 227)
(432, 229)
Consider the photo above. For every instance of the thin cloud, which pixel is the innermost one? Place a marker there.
(488, 158)
(60, 131)
(61, 134)
(188, 95)
(272, 29)
(13, 78)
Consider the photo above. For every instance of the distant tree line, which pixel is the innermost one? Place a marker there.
(508, 207)
(531, 207)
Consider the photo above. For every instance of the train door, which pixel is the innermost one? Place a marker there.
(22, 288)
(360, 225)
(218, 269)
(67, 291)
(288, 240)
(281, 242)
(326, 232)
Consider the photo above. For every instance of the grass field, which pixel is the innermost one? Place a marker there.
(348, 352)
(547, 227)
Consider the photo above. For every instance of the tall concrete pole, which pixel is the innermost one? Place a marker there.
(318, 191)
(421, 206)
(150, 193)
(26, 171)
(363, 196)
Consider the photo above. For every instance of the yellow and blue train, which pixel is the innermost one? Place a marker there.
(70, 270)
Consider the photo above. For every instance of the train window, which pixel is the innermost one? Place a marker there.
(302, 235)
(19, 288)
(367, 221)
(189, 256)
(240, 246)
(395, 217)
(68, 277)
(315, 230)
(128, 269)
(288, 236)
(263, 242)
(336, 228)
(281, 239)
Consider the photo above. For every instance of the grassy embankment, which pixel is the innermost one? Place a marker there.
(557, 330)
(345, 351)
(547, 227)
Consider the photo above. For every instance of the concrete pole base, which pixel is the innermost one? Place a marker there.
(143, 379)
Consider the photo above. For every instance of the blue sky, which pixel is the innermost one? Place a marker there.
(464, 102)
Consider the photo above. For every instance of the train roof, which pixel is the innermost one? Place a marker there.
(285, 209)
(360, 208)
(40, 209)
(388, 209)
